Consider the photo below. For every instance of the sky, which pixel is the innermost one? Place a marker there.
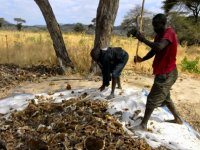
(123, 107)
(68, 11)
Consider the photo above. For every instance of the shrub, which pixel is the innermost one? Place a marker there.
(79, 27)
(188, 32)
(190, 65)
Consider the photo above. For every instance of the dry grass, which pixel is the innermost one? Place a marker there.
(26, 48)
(29, 48)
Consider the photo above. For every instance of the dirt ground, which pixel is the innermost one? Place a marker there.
(185, 93)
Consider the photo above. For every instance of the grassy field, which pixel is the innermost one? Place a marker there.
(29, 48)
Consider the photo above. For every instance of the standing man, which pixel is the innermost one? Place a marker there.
(164, 48)
(111, 60)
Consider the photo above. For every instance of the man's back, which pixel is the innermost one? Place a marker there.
(112, 62)
(112, 55)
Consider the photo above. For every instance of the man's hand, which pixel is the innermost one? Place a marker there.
(137, 59)
(102, 88)
(140, 36)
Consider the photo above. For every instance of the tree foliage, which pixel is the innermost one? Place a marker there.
(19, 23)
(187, 32)
(129, 21)
(93, 24)
(192, 7)
(19, 20)
(94, 21)
(1, 22)
(79, 27)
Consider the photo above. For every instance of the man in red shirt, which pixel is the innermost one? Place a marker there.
(164, 48)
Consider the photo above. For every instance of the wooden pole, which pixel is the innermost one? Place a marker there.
(140, 26)
(6, 42)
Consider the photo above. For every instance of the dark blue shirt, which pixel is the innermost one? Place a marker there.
(109, 62)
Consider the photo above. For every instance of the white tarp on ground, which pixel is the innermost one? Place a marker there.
(128, 106)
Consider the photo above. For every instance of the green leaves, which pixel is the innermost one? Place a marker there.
(169, 4)
(190, 65)
(19, 20)
(192, 7)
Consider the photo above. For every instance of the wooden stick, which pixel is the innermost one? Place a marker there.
(90, 95)
(140, 26)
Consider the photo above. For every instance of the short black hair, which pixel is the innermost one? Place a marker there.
(161, 18)
(95, 54)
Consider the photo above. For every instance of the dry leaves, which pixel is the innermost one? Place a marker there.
(74, 124)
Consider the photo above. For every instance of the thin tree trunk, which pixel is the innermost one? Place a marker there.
(105, 18)
(55, 33)
(196, 16)
(106, 14)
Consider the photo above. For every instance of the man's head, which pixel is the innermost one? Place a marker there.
(159, 23)
(95, 54)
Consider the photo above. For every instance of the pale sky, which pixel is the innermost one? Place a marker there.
(68, 11)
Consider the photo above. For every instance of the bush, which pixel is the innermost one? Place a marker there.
(79, 27)
(190, 65)
(187, 31)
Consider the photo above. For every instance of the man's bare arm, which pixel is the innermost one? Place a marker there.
(156, 46)
(149, 55)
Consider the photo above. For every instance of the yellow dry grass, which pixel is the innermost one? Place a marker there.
(35, 48)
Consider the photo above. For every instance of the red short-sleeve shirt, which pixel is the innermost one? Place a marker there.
(165, 60)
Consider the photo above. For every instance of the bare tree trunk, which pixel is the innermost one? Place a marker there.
(105, 18)
(55, 33)
(196, 15)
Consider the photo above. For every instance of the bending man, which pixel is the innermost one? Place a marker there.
(111, 61)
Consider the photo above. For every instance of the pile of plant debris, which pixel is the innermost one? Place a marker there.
(11, 74)
(75, 124)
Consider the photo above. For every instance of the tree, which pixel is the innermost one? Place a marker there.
(56, 35)
(187, 32)
(191, 6)
(94, 21)
(91, 27)
(129, 21)
(106, 14)
(79, 27)
(1, 22)
(19, 23)
(93, 24)
(19, 26)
